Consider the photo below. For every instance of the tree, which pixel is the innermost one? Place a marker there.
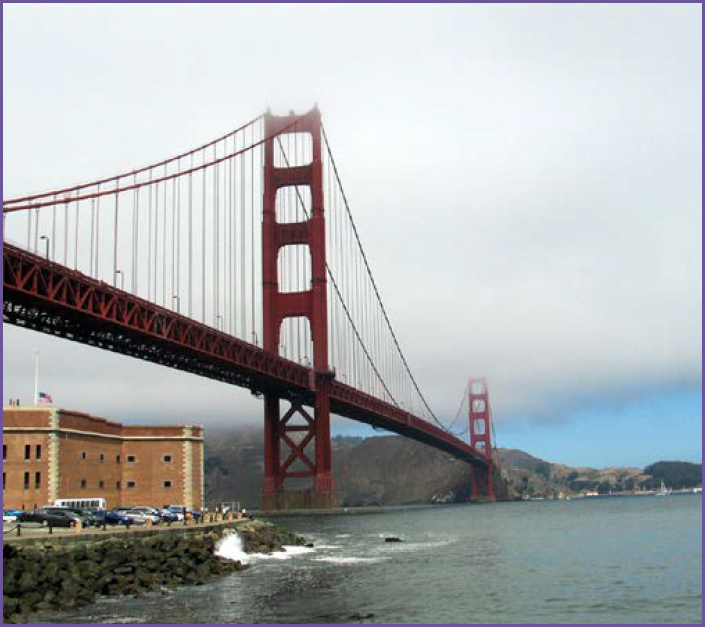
(676, 475)
(543, 469)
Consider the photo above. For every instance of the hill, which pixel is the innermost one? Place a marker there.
(675, 475)
(391, 470)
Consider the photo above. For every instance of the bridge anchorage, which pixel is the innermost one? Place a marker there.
(161, 264)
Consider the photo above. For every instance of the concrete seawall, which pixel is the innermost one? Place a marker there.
(34, 534)
(51, 573)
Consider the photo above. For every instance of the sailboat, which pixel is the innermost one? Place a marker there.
(663, 491)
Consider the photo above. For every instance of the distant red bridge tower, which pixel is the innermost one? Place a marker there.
(480, 416)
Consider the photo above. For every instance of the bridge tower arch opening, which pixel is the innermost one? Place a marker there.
(297, 438)
(480, 417)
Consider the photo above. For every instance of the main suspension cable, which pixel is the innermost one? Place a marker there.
(374, 284)
(117, 177)
(337, 290)
(121, 190)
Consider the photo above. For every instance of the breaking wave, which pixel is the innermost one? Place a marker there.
(230, 547)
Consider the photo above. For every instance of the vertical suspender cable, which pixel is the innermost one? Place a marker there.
(164, 243)
(150, 199)
(190, 239)
(92, 249)
(115, 238)
(203, 243)
(177, 242)
(243, 242)
(215, 242)
(252, 228)
(156, 242)
(36, 230)
(53, 233)
(75, 244)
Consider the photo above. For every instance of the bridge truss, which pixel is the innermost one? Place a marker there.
(161, 264)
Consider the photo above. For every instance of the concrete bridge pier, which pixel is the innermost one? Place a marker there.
(482, 483)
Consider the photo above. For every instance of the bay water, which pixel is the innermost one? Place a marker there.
(592, 560)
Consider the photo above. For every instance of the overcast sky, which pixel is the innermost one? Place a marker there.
(526, 180)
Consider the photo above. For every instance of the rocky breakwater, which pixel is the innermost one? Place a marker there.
(48, 577)
(263, 537)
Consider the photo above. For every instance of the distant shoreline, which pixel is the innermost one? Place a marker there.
(383, 509)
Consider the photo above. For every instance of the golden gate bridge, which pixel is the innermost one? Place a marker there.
(239, 261)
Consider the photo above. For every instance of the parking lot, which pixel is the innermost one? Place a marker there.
(32, 532)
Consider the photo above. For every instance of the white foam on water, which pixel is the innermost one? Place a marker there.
(287, 553)
(328, 546)
(230, 547)
(349, 560)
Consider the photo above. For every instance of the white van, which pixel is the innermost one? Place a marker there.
(86, 503)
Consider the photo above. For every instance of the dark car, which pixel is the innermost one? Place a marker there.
(79, 513)
(90, 518)
(55, 517)
(166, 515)
(116, 517)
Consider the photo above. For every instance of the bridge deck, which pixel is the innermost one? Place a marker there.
(51, 298)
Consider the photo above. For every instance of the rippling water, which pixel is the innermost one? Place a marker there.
(605, 560)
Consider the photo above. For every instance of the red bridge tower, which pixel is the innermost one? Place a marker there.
(480, 417)
(296, 429)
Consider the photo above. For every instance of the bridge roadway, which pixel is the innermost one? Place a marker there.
(48, 297)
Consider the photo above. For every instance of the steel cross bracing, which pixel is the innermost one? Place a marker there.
(307, 327)
(48, 297)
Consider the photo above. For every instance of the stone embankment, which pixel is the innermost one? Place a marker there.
(54, 575)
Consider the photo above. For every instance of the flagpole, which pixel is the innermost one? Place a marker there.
(36, 378)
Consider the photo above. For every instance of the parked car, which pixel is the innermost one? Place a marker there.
(55, 517)
(149, 511)
(92, 518)
(140, 515)
(166, 515)
(84, 518)
(117, 517)
(10, 515)
(177, 510)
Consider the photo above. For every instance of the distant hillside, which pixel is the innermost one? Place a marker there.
(234, 466)
(533, 477)
(391, 470)
(675, 475)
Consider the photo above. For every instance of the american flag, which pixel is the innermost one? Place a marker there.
(45, 398)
